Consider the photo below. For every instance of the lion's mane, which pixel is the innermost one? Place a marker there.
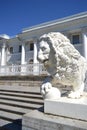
(64, 59)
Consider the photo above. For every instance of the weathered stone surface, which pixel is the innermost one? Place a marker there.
(37, 120)
(63, 62)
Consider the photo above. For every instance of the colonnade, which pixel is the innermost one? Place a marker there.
(23, 53)
(35, 61)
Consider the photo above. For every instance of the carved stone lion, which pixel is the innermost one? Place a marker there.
(63, 62)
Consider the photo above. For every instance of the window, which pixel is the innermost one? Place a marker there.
(20, 48)
(30, 61)
(31, 46)
(11, 50)
(75, 39)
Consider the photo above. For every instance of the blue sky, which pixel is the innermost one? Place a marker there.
(18, 14)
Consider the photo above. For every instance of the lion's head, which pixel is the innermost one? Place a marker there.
(55, 50)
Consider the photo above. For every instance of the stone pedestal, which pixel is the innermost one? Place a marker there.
(61, 114)
(38, 120)
(67, 107)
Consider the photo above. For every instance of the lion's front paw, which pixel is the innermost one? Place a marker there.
(49, 92)
(45, 88)
(75, 94)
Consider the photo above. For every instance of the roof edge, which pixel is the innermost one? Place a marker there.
(57, 21)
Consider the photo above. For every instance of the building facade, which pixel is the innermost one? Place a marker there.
(18, 55)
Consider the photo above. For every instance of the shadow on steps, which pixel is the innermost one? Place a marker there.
(15, 125)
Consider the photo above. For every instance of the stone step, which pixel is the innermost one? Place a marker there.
(16, 101)
(14, 109)
(27, 81)
(19, 104)
(19, 91)
(10, 116)
(22, 99)
(24, 95)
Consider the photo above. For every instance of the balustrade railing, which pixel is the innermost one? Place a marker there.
(28, 69)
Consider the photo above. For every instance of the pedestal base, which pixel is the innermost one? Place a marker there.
(67, 107)
(37, 120)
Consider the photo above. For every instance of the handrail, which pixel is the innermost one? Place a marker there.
(27, 69)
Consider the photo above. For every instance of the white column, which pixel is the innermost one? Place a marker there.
(3, 55)
(23, 67)
(23, 54)
(85, 44)
(36, 65)
(35, 53)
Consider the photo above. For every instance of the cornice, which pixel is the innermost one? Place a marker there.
(58, 21)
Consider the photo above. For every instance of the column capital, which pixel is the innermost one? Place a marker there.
(21, 39)
(3, 45)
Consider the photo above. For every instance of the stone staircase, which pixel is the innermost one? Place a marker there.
(27, 81)
(16, 101)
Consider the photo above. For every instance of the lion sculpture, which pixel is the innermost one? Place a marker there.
(64, 63)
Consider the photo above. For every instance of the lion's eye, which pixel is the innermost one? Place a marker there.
(43, 48)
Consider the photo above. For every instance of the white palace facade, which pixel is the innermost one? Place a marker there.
(18, 55)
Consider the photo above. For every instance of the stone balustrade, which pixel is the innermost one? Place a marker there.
(27, 69)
